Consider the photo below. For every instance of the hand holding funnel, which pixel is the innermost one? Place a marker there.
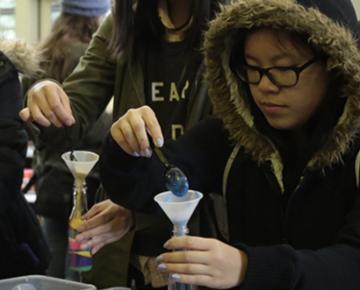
(179, 211)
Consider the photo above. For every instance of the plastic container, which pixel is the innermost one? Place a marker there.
(38, 282)
(116, 288)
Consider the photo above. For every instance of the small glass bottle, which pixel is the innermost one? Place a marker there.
(179, 210)
(178, 231)
(80, 260)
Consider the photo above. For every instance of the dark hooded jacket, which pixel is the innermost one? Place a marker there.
(305, 238)
(23, 247)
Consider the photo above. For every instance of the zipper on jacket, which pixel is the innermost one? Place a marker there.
(286, 208)
(270, 177)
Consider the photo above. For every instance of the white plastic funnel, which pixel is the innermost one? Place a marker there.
(178, 209)
(83, 162)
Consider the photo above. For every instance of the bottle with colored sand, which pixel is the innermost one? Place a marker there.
(80, 164)
(79, 259)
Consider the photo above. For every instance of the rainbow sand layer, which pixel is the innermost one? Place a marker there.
(80, 260)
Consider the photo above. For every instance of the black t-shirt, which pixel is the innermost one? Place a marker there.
(169, 80)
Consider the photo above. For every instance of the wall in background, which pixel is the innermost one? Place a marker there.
(7, 19)
(31, 20)
(27, 20)
(357, 7)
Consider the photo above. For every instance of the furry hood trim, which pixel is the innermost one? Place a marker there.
(325, 32)
(25, 57)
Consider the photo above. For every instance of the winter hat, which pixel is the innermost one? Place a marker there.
(86, 7)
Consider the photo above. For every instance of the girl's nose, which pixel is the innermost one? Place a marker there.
(267, 85)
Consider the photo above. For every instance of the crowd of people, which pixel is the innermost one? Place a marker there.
(257, 102)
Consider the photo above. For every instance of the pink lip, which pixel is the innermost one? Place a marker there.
(272, 108)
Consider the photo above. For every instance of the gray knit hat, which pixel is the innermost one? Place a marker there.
(86, 7)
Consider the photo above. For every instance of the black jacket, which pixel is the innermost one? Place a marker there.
(308, 243)
(303, 238)
(23, 248)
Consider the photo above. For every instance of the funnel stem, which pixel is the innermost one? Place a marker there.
(79, 183)
(180, 230)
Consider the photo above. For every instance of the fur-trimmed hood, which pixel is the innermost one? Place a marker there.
(335, 40)
(25, 57)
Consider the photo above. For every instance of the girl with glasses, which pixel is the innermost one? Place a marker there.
(284, 80)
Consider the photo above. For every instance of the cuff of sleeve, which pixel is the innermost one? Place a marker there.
(117, 155)
(271, 267)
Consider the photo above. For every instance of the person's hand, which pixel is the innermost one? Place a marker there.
(130, 131)
(47, 104)
(205, 262)
(105, 223)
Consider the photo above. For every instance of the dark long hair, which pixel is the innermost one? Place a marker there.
(67, 29)
(136, 27)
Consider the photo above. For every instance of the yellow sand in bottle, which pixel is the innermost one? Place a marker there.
(86, 253)
(74, 223)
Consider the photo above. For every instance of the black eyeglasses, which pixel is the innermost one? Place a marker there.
(281, 76)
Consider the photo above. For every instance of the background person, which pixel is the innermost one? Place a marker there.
(24, 250)
(124, 60)
(284, 81)
(61, 51)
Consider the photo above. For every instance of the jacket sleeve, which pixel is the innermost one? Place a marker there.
(15, 260)
(140, 179)
(90, 86)
(13, 137)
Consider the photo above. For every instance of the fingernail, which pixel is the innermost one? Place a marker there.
(78, 238)
(175, 277)
(159, 142)
(135, 154)
(159, 259)
(166, 245)
(162, 267)
(148, 152)
(85, 246)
